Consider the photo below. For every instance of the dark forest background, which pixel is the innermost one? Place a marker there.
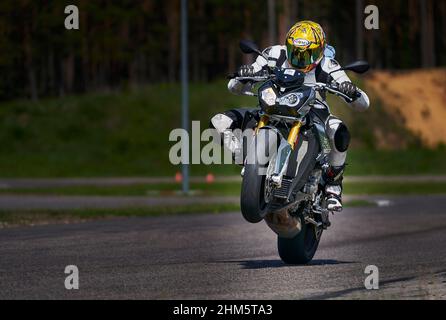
(129, 42)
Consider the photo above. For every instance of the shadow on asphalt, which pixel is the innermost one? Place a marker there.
(261, 264)
(341, 293)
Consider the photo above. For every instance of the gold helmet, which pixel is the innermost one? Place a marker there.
(305, 44)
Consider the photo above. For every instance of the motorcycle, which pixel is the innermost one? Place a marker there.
(283, 182)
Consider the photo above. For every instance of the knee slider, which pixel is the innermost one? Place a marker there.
(221, 122)
(342, 138)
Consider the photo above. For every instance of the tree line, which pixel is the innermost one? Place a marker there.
(127, 42)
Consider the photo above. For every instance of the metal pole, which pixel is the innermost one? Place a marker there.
(184, 89)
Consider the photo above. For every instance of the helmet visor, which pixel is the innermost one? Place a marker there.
(302, 58)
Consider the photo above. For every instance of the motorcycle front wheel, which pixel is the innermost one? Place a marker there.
(256, 191)
(253, 201)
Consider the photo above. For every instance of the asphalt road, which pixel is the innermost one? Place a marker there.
(223, 257)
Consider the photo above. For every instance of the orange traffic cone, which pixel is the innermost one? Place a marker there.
(178, 177)
(210, 178)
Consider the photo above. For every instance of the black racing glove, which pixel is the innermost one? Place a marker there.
(349, 89)
(246, 71)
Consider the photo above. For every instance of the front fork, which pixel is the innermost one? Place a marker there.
(292, 136)
(284, 151)
(262, 122)
(294, 133)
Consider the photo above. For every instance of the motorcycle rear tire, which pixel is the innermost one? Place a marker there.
(301, 248)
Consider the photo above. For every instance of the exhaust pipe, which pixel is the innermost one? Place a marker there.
(283, 223)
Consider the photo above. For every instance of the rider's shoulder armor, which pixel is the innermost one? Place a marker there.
(327, 65)
(276, 56)
(321, 72)
(323, 69)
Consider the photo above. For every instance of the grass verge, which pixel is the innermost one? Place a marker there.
(11, 218)
(14, 218)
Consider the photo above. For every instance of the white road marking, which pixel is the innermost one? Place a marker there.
(383, 203)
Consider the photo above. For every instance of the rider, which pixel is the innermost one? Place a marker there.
(305, 50)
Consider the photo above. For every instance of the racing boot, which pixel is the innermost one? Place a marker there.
(333, 188)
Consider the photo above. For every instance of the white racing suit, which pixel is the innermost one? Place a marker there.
(336, 131)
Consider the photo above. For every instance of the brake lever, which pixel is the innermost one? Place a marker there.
(339, 93)
(346, 97)
(350, 99)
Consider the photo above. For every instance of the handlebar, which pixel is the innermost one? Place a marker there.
(254, 79)
(318, 86)
(262, 75)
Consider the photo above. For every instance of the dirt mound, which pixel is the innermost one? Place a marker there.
(418, 97)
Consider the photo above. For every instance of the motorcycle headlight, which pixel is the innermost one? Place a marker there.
(290, 100)
(268, 96)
